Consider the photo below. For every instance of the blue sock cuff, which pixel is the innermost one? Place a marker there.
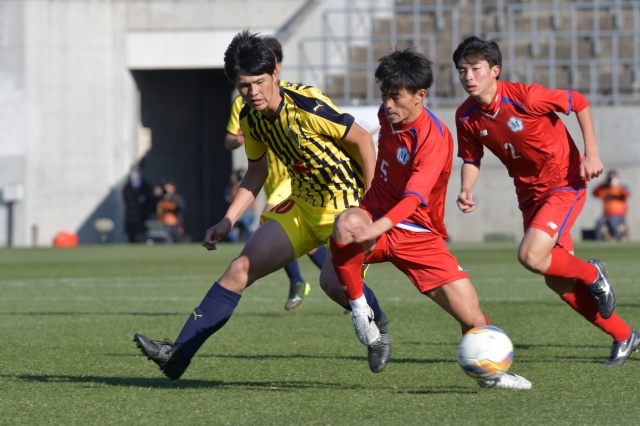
(293, 272)
(318, 257)
(372, 301)
(222, 295)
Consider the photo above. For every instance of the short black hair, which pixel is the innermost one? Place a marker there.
(474, 48)
(404, 69)
(248, 52)
(275, 47)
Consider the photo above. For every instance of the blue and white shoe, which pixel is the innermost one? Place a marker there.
(620, 351)
(601, 290)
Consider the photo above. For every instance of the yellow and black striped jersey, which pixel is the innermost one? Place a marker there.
(277, 171)
(306, 134)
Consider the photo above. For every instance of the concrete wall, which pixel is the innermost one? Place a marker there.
(70, 114)
(70, 111)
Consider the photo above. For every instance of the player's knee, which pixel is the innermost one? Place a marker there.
(531, 260)
(238, 271)
(344, 220)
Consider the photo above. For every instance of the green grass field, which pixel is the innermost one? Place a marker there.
(68, 317)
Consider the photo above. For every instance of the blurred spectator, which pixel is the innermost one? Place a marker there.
(139, 204)
(614, 202)
(243, 228)
(170, 209)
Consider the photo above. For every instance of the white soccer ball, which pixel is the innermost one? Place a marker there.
(485, 352)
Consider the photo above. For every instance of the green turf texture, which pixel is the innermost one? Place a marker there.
(69, 315)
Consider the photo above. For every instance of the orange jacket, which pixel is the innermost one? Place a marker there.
(614, 199)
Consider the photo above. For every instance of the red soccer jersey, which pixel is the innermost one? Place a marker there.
(413, 159)
(522, 129)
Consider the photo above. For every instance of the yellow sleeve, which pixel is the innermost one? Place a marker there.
(253, 147)
(234, 119)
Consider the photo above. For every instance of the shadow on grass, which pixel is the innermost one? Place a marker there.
(161, 382)
(270, 386)
(521, 358)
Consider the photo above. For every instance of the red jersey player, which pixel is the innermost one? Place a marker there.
(400, 219)
(519, 124)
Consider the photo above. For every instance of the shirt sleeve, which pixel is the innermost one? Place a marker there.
(328, 119)
(234, 118)
(253, 147)
(403, 209)
(469, 149)
(540, 100)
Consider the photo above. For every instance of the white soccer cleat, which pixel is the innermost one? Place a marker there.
(507, 381)
(366, 329)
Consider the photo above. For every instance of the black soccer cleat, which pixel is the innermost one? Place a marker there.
(601, 290)
(164, 353)
(380, 352)
(620, 351)
(297, 292)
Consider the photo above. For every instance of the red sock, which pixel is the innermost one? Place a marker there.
(347, 260)
(565, 265)
(581, 301)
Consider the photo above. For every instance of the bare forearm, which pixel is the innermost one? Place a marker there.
(363, 142)
(468, 177)
(585, 120)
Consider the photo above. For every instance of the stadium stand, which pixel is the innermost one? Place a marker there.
(592, 46)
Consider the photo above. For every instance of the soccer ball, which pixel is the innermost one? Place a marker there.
(485, 352)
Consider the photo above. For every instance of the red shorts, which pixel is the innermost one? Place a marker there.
(423, 257)
(555, 214)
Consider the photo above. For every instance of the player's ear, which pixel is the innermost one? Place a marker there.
(421, 94)
(495, 71)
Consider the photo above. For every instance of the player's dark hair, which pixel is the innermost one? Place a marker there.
(250, 53)
(475, 49)
(275, 47)
(404, 69)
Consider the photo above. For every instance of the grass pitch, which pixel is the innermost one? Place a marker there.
(68, 317)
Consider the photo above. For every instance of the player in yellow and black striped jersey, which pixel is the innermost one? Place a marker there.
(277, 188)
(331, 160)
(307, 136)
(278, 175)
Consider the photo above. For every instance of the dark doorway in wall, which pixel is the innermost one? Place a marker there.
(187, 113)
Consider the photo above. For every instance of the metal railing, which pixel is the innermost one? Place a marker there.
(540, 43)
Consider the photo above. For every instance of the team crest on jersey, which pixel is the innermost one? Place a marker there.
(402, 155)
(293, 136)
(515, 124)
